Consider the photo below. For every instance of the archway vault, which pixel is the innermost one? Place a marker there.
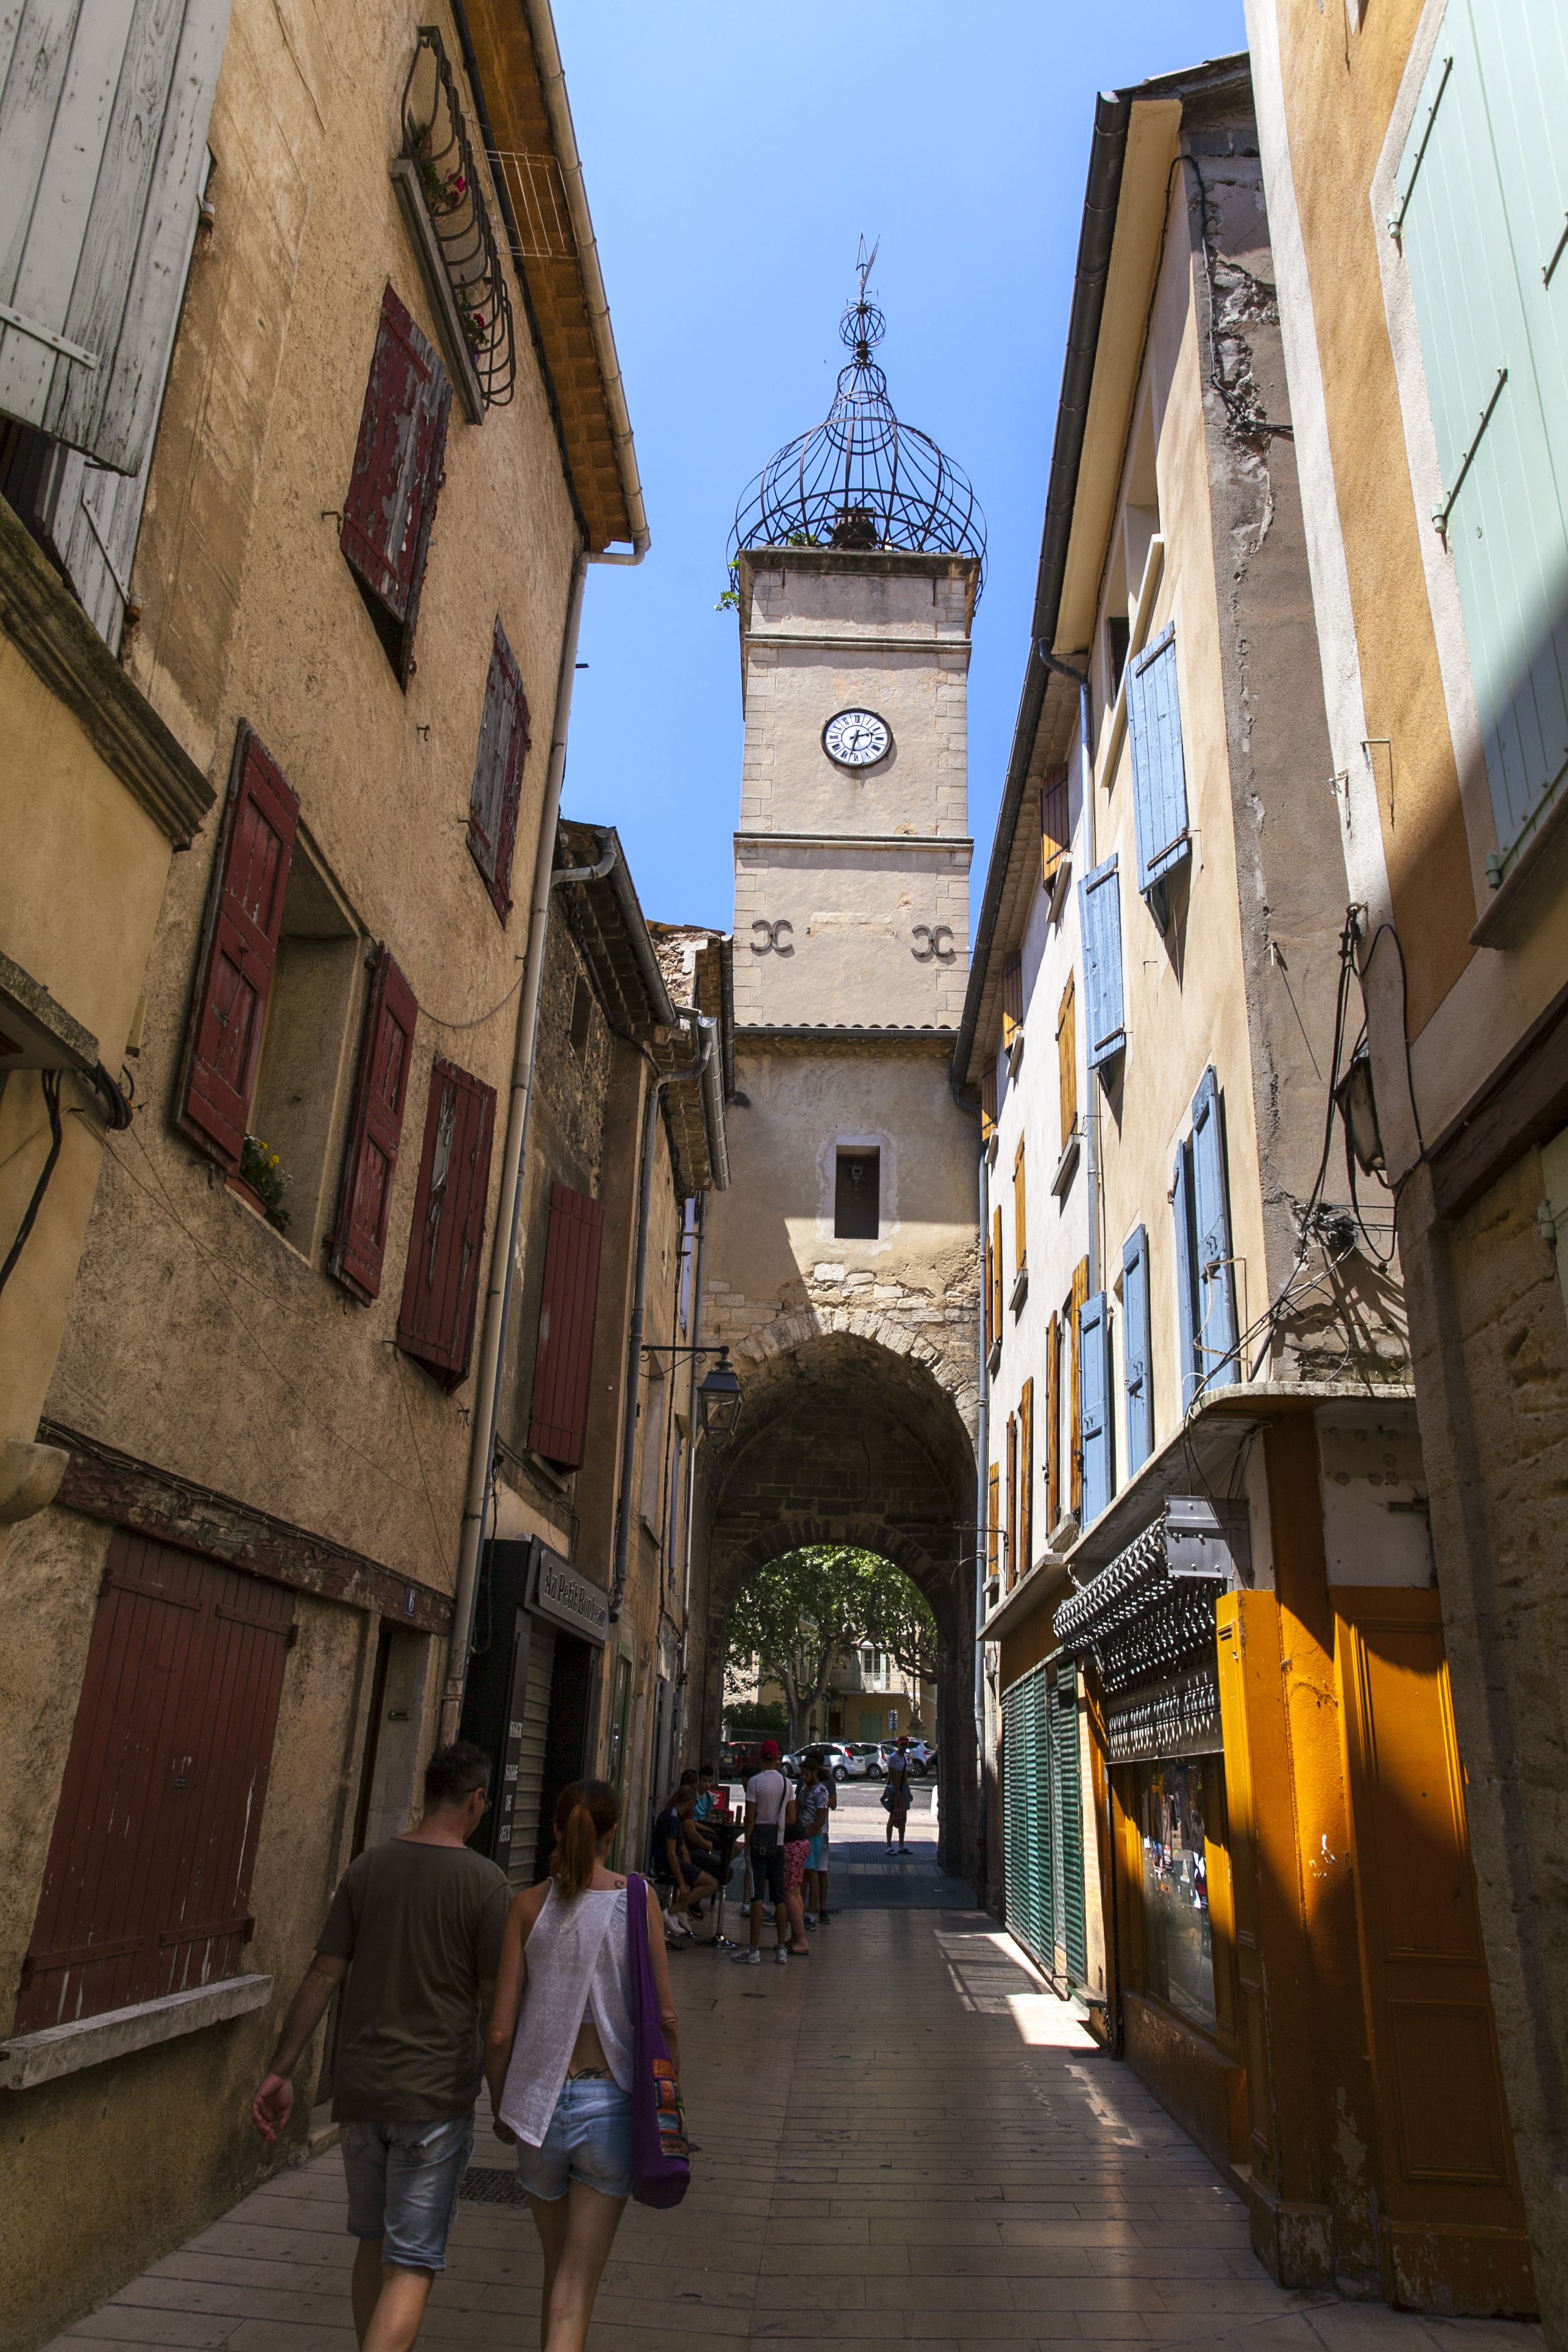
(847, 1440)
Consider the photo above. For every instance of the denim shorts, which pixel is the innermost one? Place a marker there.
(589, 2139)
(403, 2186)
(816, 1854)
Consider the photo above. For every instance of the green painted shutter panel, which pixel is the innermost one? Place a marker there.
(1216, 1334)
(104, 125)
(1012, 1809)
(1482, 195)
(1159, 770)
(1069, 1779)
(1043, 1903)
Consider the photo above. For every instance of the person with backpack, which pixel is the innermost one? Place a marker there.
(770, 1811)
(561, 2048)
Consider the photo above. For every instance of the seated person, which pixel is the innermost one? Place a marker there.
(676, 1859)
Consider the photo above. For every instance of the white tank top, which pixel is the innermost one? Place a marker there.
(578, 1970)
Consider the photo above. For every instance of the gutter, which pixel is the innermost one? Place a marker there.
(553, 82)
(712, 1078)
(1108, 151)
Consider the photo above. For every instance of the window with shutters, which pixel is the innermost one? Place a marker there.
(1012, 1002)
(857, 1208)
(650, 1501)
(147, 1886)
(1100, 907)
(1136, 1343)
(1011, 1573)
(1076, 1297)
(356, 1250)
(564, 1352)
(440, 1281)
(399, 466)
(1025, 1477)
(1185, 1240)
(1066, 1061)
(103, 126)
(497, 787)
(995, 1285)
(1481, 219)
(1055, 834)
(988, 1104)
(442, 196)
(1020, 1212)
(1159, 770)
(1214, 1263)
(1096, 1427)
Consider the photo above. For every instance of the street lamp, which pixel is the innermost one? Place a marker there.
(720, 1398)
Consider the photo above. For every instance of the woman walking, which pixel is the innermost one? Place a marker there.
(561, 2086)
(897, 1795)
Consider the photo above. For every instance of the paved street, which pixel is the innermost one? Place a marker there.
(902, 2139)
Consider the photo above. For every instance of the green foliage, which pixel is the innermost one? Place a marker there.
(757, 1719)
(260, 1168)
(898, 1619)
(805, 1609)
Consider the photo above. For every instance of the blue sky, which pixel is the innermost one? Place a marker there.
(733, 156)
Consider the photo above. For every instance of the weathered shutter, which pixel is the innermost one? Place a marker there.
(1094, 1405)
(992, 1520)
(1186, 1272)
(435, 1320)
(1011, 1574)
(996, 1282)
(356, 1250)
(1066, 1060)
(1012, 1000)
(498, 773)
(1482, 206)
(1020, 1217)
(988, 1103)
(390, 506)
(1027, 1477)
(222, 1044)
(1072, 1938)
(1076, 1297)
(1053, 1423)
(146, 1890)
(990, 1329)
(1054, 833)
(1159, 771)
(1099, 901)
(103, 126)
(1136, 1350)
(1217, 1334)
(564, 1355)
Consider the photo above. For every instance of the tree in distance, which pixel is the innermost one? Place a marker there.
(800, 1614)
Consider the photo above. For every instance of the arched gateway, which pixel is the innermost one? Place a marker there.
(841, 1265)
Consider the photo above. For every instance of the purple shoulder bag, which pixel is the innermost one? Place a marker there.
(661, 2173)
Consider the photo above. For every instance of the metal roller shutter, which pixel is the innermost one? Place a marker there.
(522, 1869)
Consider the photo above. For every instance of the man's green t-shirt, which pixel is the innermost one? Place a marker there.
(420, 1927)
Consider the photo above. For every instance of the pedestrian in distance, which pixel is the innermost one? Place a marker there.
(559, 2055)
(770, 1810)
(815, 1799)
(898, 1790)
(415, 1927)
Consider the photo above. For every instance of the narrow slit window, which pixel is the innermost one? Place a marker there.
(857, 1199)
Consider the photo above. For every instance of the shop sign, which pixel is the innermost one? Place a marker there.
(567, 1597)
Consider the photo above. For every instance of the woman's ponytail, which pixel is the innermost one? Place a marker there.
(584, 1815)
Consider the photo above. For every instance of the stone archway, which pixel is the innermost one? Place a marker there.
(845, 1439)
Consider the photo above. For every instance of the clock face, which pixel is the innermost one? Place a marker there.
(856, 738)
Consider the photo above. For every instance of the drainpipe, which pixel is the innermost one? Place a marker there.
(504, 1256)
(1090, 1116)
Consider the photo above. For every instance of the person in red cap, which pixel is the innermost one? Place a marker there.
(770, 1810)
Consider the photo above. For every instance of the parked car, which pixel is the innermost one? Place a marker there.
(867, 1754)
(921, 1758)
(841, 1761)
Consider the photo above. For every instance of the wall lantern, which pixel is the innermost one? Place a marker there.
(1358, 1109)
(720, 1398)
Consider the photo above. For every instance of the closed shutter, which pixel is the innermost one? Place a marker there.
(1053, 1423)
(147, 1887)
(1482, 208)
(1076, 1297)
(1012, 1570)
(1014, 1813)
(990, 1325)
(1054, 833)
(993, 1518)
(222, 1044)
(1020, 1219)
(564, 1356)
(1066, 1060)
(1012, 1000)
(390, 505)
(1042, 1877)
(1216, 1337)
(1136, 1350)
(103, 126)
(435, 1320)
(987, 1103)
(357, 1249)
(1073, 1939)
(1094, 1410)
(1159, 771)
(528, 1833)
(1186, 1253)
(995, 1276)
(1026, 1478)
(498, 773)
(1101, 910)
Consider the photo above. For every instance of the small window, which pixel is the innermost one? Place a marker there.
(315, 983)
(582, 1014)
(857, 1202)
(1053, 825)
(1012, 1000)
(1118, 636)
(988, 1103)
(654, 1401)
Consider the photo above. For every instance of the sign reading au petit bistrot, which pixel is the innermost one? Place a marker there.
(567, 1597)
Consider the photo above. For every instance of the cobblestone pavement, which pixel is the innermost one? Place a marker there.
(903, 2139)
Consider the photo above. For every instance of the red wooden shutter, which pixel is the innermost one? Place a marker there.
(224, 1044)
(435, 1320)
(358, 1246)
(564, 1357)
(398, 475)
(498, 773)
(147, 1886)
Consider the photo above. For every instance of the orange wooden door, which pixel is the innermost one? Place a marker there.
(1453, 2222)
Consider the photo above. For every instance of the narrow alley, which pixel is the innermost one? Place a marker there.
(905, 2140)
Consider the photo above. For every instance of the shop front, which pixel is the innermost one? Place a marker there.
(540, 1627)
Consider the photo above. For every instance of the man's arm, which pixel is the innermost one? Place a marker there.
(271, 2106)
(505, 2002)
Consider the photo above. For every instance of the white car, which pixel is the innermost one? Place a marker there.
(841, 1761)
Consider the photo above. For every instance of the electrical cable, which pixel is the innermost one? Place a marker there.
(49, 1082)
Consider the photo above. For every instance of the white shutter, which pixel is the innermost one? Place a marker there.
(104, 107)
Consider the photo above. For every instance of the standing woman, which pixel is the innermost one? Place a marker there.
(812, 1805)
(898, 1793)
(561, 2086)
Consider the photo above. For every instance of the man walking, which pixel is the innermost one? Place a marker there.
(415, 1926)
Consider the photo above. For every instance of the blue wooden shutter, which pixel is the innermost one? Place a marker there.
(1482, 195)
(1186, 1273)
(1136, 1349)
(103, 126)
(1217, 1366)
(1100, 907)
(1159, 771)
(1095, 1428)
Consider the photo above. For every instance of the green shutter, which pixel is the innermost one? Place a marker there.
(1027, 1780)
(1069, 1780)
(1482, 205)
